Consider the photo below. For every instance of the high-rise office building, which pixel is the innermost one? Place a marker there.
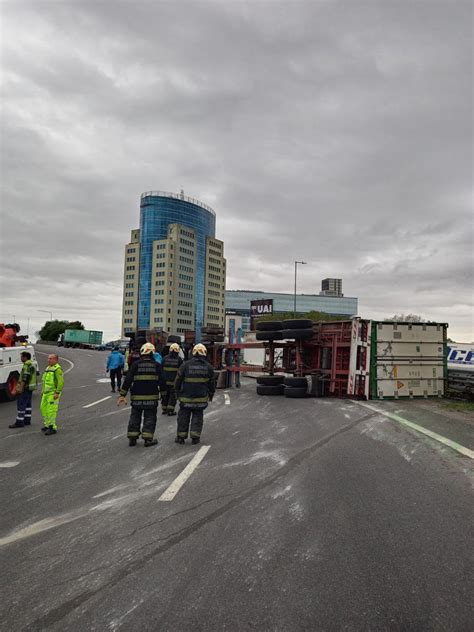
(331, 287)
(174, 275)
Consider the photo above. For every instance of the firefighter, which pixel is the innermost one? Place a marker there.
(144, 380)
(53, 383)
(171, 364)
(195, 387)
(26, 386)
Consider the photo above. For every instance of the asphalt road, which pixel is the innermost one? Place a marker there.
(313, 514)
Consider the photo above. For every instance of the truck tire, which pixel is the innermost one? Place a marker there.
(297, 334)
(10, 387)
(173, 338)
(269, 335)
(270, 390)
(213, 331)
(295, 392)
(296, 382)
(270, 380)
(298, 323)
(269, 325)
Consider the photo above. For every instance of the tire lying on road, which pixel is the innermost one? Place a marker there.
(270, 390)
(293, 391)
(298, 382)
(269, 335)
(298, 323)
(297, 333)
(270, 325)
(270, 380)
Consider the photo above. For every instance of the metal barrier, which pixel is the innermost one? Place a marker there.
(461, 384)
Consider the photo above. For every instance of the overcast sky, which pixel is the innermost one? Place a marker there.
(339, 133)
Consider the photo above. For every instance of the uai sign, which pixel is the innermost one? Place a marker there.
(261, 307)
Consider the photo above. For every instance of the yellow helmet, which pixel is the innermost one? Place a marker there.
(147, 348)
(174, 347)
(199, 349)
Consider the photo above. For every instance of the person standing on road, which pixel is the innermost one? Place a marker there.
(115, 364)
(171, 364)
(144, 380)
(26, 386)
(53, 383)
(195, 386)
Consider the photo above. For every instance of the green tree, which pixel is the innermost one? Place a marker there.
(52, 329)
(313, 315)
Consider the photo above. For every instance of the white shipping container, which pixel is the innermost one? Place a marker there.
(408, 360)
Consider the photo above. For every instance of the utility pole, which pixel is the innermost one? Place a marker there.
(303, 263)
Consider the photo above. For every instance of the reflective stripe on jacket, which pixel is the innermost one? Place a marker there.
(53, 379)
(144, 380)
(195, 383)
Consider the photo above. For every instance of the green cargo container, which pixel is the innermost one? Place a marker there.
(82, 337)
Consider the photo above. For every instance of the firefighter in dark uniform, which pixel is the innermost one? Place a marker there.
(195, 386)
(171, 364)
(144, 380)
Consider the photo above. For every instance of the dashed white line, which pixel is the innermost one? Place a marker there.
(116, 412)
(434, 435)
(178, 482)
(98, 401)
(9, 463)
(227, 398)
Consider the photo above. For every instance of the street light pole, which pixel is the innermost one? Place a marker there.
(296, 267)
(46, 311)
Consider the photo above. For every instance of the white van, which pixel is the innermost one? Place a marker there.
(10, 369)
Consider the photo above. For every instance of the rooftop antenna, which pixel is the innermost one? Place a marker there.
(182, 193)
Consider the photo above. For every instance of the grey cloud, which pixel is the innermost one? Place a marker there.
(337, 132)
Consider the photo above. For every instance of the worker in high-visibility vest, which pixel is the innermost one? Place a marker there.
(53, 383)
(25, 387)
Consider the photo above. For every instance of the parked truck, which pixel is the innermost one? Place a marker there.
(80, 339)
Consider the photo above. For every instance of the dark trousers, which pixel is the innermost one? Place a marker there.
(23, 409)
(116, 374)
(168, 399)
(193, 416)
(135, 422)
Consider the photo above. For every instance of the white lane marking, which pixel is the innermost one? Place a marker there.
(9, 463)
(227, 398)
(103, 380)
(98, 401)
(434, 435)
(61, 358)
(116, 412)
(178, 482)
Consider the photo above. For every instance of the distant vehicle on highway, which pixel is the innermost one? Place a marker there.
(80, 339)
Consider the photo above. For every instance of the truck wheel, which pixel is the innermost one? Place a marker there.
(297, 333)
(296, 382)
(297, 323)
(296, 392)
(10, 391)
(270, 380)
(270, 390)
(269, 325)
(269, 335)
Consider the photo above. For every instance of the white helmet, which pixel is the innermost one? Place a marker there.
(174, 347)
(199, 349)
(147, 348)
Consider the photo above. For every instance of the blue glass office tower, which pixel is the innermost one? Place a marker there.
(157, 211)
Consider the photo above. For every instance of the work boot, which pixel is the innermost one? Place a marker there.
(44, 428)
(113, 390)
(179, 440)
(132, 442)
(27, 423)
(195, 440)
(150, 442)
(171, 413)
(163, 412)
(15, 425)
(50, 431)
